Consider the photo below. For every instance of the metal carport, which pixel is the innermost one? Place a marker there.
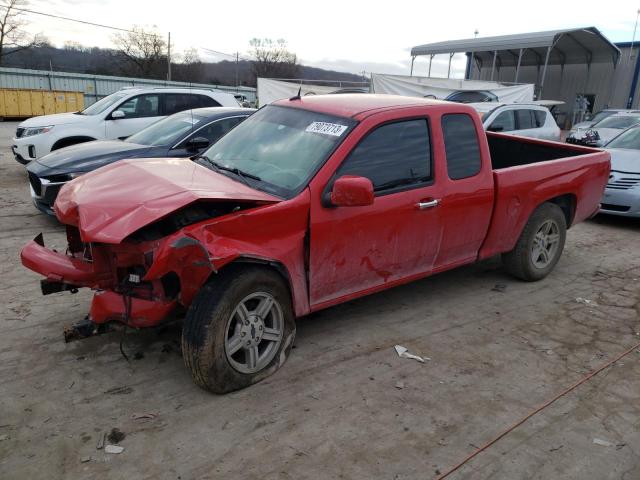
(554, 47)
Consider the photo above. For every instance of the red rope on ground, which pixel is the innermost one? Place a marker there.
(538, 410)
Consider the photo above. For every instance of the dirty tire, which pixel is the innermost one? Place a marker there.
(518, 262)
(205, 327)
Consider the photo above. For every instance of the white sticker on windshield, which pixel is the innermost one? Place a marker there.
(327, 128)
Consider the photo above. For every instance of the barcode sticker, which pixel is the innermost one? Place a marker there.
(327, 128)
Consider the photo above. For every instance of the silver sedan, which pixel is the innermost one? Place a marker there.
(622, 193)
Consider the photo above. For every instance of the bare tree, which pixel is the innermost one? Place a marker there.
(144, 52)
(190, 69)
(272, 59)
(13, 37)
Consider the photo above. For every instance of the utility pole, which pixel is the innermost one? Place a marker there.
(237, 60)
(633, 39)
(169, 57)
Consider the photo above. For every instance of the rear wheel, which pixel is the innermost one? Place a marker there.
(239, 329)
(540, 245)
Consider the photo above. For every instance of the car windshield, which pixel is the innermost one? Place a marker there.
(283, 147)
(629, 139)
(598, 117)
(101, 105)
(166, 131)
(618, 121)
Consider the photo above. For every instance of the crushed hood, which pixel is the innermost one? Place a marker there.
(111, 203)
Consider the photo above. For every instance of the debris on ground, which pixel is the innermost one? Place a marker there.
(139, 416)
(113, 449)
(399, 384)
(138, 355)
(404, 353)
(4, 437)
(115, 436)
(499, 287)
(102, 439)
(124, 390)
(602, 443)
(586, 301)
(85, 459)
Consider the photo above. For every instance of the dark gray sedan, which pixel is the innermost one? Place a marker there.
(182, 134)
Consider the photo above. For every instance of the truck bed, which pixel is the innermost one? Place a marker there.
(528, 172)
(509, 151)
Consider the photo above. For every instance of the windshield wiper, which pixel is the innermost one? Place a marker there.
(235, 170)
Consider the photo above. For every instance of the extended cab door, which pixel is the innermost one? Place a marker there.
(466, 187)
(358, 249)
(139, 112)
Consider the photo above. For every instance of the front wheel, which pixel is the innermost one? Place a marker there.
(239, 329)
(540, 244)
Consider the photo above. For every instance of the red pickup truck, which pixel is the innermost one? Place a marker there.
(309, 203)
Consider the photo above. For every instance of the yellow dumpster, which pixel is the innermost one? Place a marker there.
(15, 103)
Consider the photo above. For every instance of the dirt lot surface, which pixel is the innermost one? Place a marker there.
(498, 348)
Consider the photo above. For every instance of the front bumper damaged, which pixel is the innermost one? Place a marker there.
(138, 285)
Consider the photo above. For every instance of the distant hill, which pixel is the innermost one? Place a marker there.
(100, 61)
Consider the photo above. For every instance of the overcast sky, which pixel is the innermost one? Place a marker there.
(350, 35)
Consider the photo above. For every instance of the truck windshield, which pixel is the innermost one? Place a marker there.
(101, 105)
(280, 147)
(167, 131)
(618, 121)
(629, 139)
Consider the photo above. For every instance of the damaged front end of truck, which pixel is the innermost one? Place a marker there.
(144, 266)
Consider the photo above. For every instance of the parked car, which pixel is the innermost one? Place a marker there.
(472, 96)
(590, 121)
(117, 116)
(309, 203)
(182, 134)
(522, 119)
(622, 193)
(602, 132)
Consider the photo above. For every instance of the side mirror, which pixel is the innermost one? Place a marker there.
(116, 114)
(197, 143)
(496, 128)
(352, 191)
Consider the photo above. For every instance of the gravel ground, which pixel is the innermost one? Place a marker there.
(498, 349)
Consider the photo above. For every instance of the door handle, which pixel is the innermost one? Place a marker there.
(427, 204)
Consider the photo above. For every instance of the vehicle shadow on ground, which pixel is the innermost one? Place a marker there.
(358, 316)
(630, 223)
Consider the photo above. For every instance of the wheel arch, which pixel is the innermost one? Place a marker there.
(248, 261)
(71, 140)
(567, 203)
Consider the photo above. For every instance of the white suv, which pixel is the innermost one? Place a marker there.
(526, 120)
(119, 115)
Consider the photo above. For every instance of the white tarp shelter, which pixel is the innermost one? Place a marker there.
(442, 87)
(270, 90)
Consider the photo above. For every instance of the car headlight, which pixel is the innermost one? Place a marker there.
(31, 131)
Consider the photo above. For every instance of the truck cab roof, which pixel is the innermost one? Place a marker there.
(354, 105)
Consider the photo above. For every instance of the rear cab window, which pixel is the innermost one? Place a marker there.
(461, 146)
(395, 156)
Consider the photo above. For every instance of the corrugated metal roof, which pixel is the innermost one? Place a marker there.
(578, 45)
